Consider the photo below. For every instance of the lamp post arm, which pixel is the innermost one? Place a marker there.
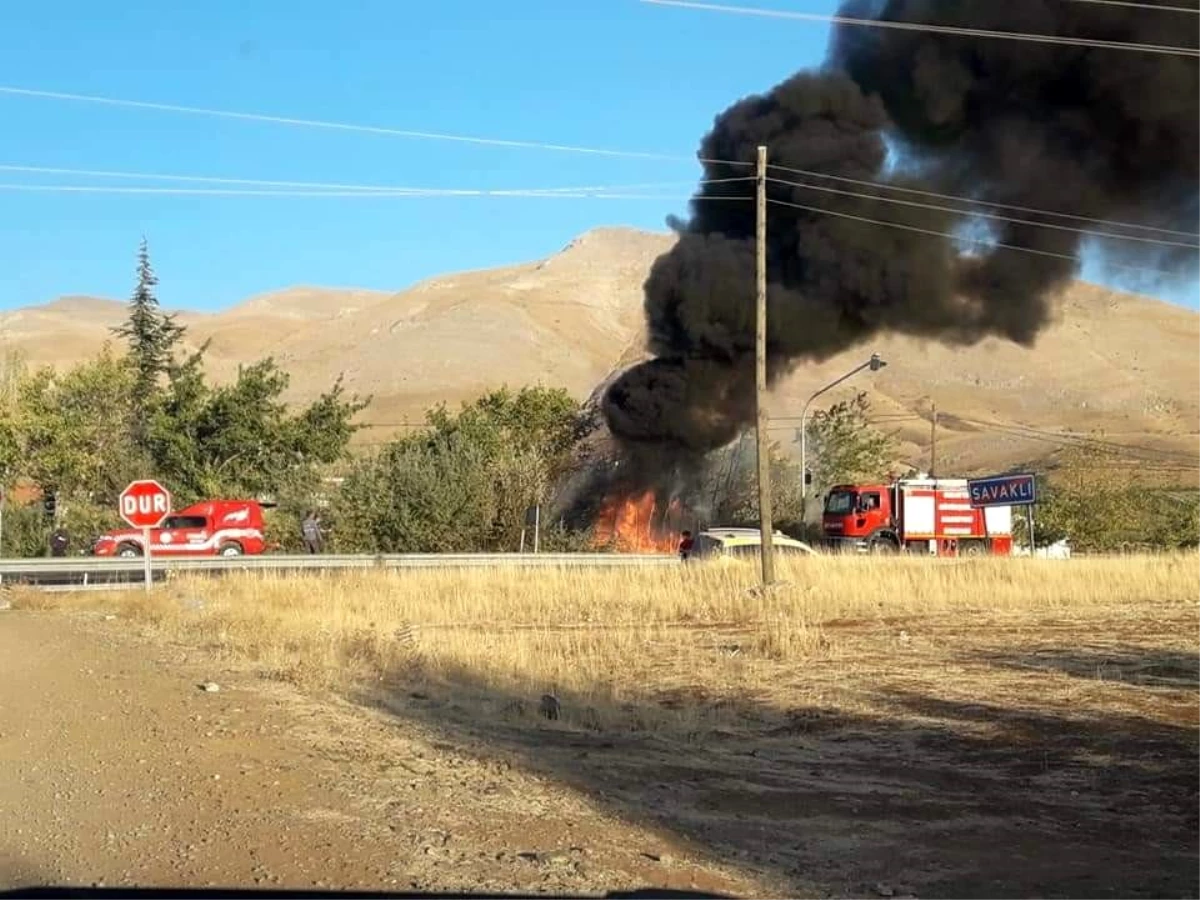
(804, 425)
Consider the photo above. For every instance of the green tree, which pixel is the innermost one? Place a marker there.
(241, 438)
(26, 531)
(67, 433)
(536, 419)
(73, 430)
(153, 337)
(466, 483)
(437, 498)
(12, 373)
(843, 447)
(1101, 503)
(732, 489)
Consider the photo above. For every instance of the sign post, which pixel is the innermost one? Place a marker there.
(146, 573)
(1006, 490)
(144, 504)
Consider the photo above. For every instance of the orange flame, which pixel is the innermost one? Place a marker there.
(630, 525)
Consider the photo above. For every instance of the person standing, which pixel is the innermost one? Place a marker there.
(310, 532)
(686, 545)
(60, 542)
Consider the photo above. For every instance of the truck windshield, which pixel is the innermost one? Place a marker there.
(840, 503)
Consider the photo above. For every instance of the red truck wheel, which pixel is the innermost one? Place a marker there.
(883, 545)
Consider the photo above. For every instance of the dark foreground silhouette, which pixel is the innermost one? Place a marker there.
(87, 893)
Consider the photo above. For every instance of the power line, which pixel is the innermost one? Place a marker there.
(365, 188)
(1074, 438)
(928, 28)
(969, 212)
(12, 90)
(955, 237)
(928, 231)
(1160, 461)
(882, 417)
(1029, 209)
(1144, 457)
(375, 195)
(1081, 440)
(1137, 5)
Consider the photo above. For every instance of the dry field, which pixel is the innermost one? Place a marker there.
(946, 728)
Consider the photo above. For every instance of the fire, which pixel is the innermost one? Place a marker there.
(634, 524)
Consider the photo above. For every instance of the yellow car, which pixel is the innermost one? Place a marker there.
(742, 543)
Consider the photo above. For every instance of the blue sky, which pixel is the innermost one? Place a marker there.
(601, 73)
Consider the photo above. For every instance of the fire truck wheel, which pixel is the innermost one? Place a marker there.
(129, 551)
(230, 549)
(881, 545)
(972, 548)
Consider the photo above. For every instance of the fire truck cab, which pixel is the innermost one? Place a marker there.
(211, 528)
(917, 515)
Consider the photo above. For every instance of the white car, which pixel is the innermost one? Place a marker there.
(741, 543)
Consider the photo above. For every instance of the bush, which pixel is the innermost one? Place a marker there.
(466, 484)
(27, 528)
(26, 532)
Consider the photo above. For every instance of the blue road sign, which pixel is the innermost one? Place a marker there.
(1002, 490)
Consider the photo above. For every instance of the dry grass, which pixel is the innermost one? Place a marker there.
(867, 722)
(687, 649)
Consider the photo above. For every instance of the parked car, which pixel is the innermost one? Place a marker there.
(742, 543)
(210, 528)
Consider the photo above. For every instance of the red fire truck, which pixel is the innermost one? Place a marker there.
(211, 528)
(917, 515)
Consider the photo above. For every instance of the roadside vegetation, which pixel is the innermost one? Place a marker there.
(81, 435)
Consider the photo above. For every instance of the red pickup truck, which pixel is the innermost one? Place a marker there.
(211, 528)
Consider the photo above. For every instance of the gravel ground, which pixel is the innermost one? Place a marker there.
(117, 767)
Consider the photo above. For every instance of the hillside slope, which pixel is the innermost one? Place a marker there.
(1112, 362)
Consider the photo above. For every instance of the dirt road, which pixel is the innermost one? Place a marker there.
(117, 768)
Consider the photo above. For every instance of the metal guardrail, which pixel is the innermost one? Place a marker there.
(87, 570)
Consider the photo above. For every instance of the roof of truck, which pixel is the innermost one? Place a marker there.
(207, 506)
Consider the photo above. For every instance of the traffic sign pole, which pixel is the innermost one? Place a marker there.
(146, 558)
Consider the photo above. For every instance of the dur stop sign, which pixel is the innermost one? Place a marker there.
(144, 504)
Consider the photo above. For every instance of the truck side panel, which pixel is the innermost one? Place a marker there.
(942, 511)
(918, 514)
(957, 519)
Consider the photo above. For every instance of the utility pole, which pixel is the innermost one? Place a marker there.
(766, 526)
(933, 443)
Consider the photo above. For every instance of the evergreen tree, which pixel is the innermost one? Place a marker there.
(152, 336)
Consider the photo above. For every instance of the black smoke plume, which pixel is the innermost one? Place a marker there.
(1107, 135)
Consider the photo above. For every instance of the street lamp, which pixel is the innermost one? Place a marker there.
(875, 363)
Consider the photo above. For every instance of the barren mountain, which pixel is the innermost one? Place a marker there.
(1112, 362)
